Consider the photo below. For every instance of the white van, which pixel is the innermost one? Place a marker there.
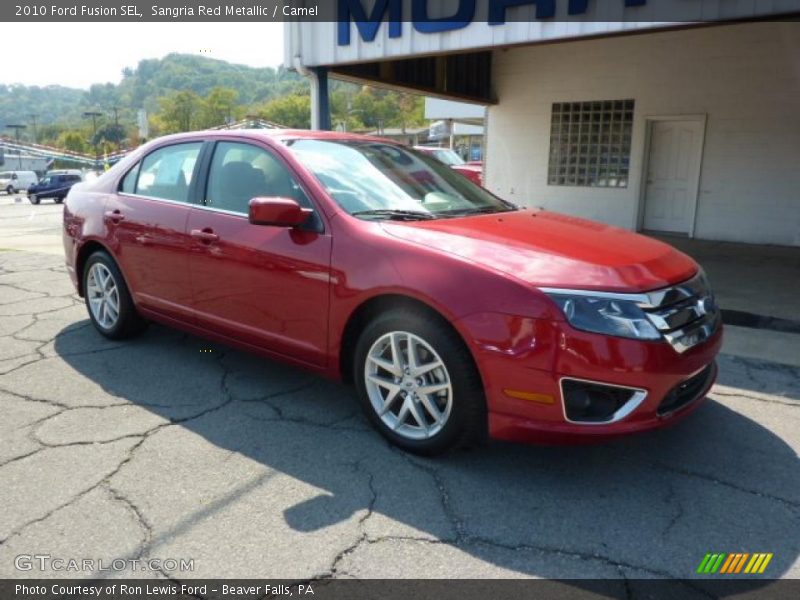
(12, 182)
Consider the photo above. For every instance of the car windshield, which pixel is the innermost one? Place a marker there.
(448, 157)
(377, 180)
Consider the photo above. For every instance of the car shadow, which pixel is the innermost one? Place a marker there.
(646, 506)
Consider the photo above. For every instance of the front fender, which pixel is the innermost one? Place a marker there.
(368, 263)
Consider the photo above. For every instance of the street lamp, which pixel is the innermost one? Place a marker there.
(16, 129)
(35, 134)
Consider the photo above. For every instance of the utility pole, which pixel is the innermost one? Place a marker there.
(93, 114)
(35, 133)
(17, 129)
(116, 125)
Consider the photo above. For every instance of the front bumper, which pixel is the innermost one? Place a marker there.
(522, 377)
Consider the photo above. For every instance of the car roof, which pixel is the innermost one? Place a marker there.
(279, 135)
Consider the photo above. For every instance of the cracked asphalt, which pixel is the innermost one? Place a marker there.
(171, 447)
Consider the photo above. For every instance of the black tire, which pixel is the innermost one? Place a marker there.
(130, 322)
(10, 190)
(34, 199)
(467, 423)
(58, 200)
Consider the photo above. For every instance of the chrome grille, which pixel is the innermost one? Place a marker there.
(686, 314)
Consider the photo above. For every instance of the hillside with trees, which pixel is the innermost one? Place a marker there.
(185, 92)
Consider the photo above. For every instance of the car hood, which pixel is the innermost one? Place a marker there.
(553, 250)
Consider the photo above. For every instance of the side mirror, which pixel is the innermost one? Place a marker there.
(278, 212)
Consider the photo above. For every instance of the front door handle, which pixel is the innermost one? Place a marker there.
(206, 235)
(115, 216)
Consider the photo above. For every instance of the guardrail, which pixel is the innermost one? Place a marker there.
(11, 147)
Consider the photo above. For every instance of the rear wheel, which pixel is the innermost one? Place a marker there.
(418, 384)
(58, 200)
(108, 300)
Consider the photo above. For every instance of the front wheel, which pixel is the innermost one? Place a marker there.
(34, 199)
(418, 383)
(10, 190)
(108, 300)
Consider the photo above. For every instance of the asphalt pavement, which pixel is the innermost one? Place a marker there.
(172, 448)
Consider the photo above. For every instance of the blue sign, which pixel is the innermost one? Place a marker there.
(368, 24)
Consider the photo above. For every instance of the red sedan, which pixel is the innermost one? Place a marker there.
(456, 314)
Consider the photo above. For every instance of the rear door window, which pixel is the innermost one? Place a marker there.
(168, 172)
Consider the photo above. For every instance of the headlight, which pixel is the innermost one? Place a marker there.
(606, 315)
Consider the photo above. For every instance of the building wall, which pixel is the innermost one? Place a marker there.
(744, 77)
(317, 42)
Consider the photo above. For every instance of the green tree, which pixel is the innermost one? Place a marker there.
(179, 111)
(410, 110)
(73, 141)
(289, 111)
(48, 134)
(218, 107)
(111, 133)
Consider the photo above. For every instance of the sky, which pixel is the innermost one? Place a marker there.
(81, 54)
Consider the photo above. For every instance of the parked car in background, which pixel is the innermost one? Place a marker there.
(455, 313)
(12, 182)
(471, 170)
(77, 172)
(55, 185)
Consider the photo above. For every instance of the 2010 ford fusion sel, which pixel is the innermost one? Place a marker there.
(456, 314)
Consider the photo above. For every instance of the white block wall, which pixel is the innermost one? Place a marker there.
(744, 77)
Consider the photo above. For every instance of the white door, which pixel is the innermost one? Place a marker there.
(673, 173)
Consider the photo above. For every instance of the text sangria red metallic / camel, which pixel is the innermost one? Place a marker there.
(456, 314)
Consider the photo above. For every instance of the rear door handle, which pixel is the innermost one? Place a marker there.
(206, 235)
(115, 215)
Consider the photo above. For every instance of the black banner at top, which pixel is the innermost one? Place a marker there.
(429, 15)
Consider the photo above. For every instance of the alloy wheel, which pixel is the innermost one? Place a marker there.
(103, 295)
(408, 385)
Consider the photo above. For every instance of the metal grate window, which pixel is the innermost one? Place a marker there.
(590, 143)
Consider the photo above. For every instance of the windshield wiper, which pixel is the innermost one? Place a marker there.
(484, 210)
(391, 213)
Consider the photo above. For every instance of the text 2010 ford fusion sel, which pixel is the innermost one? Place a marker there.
(456, 314)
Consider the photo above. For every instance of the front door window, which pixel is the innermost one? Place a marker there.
(241, 172)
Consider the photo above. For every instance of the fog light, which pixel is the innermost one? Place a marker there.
(588, 402)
